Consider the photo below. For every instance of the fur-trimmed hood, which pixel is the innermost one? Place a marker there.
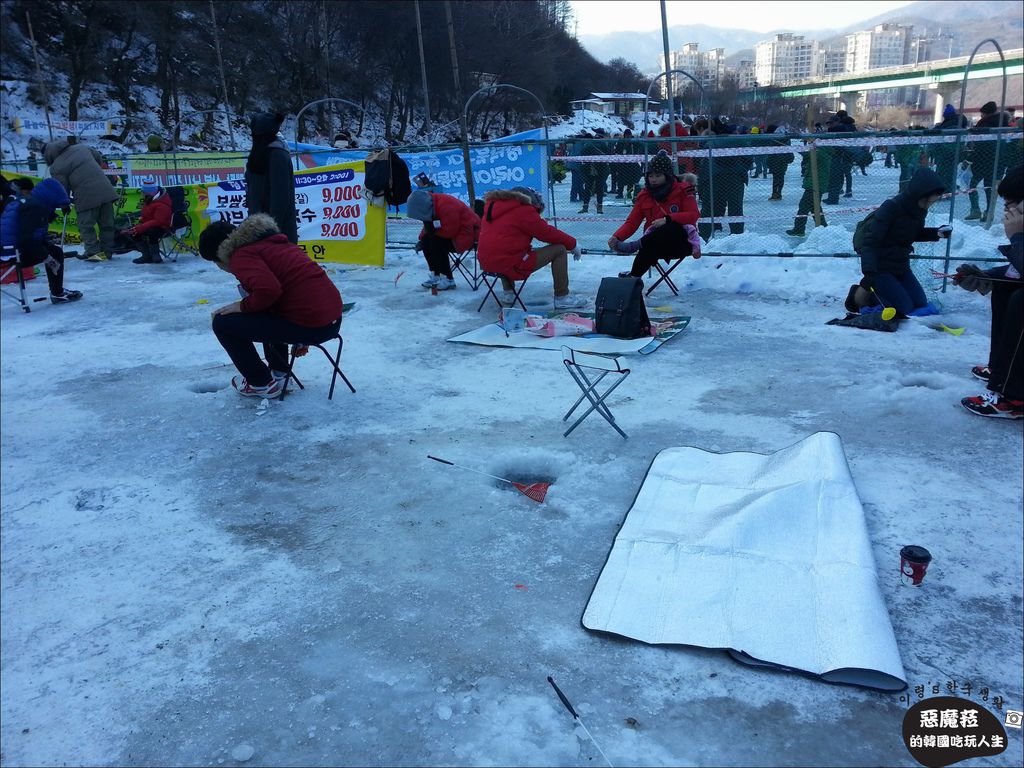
(506, 194)
(257, 227)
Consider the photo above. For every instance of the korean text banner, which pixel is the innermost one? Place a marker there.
(335, 222)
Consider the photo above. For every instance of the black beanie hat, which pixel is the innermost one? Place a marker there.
(660, 163)
(212, 237)
(989, 108)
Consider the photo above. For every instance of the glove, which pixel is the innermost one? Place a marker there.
(66, 208)
(419, 246)
(971, 278)
(945, 231)
(577, 253)
(614, 243)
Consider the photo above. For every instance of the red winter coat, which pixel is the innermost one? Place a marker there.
(680, 205)
(458, 222)
(510, 225)
(278, 275)
(157, 214)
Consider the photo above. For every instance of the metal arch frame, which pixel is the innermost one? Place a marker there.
(672, 122)
(532, 95)
(298, 120)
(956, 151)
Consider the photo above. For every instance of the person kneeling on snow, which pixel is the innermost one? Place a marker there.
(511, 222)
(288, 299)
(23, 227)
(154, 223)
(669, 211)
(1005, 370)
(449, 226)
(889, 240)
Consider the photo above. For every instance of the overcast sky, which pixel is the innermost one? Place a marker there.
(598, 17)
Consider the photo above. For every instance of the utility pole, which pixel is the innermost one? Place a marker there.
(423, 68)
(668, 89)
(458, 100)
(39, 75)
(223, 80)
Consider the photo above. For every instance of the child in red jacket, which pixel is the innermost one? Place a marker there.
(512, 221)
(449, 226)
(667, 207)
(155, 223)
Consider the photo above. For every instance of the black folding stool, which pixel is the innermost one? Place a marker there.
(664, 276)
(334, 360)
(578, 363)
(467, 266)
(490, 279)
(10, 262)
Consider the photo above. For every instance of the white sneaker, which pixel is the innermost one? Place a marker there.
(572, 301)
(431, 281)
(507, 298)
(445, 283)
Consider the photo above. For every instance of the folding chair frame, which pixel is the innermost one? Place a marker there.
(594, 362)
(178, 244)
(490, 279)
(459, 263)
(334, 360)
(13, 264)
(664, 276)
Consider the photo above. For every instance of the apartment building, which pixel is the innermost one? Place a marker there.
(786, 59)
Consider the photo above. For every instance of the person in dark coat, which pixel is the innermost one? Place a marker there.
(1004, 373)
(24, 226)
(889, 240)
(731, 174)
(77, 168)
(841, 168)
(983, 165)
(595, 173)
(810, 182)
(777, 164)
(943, 155)
(269, 183)
(287, 299)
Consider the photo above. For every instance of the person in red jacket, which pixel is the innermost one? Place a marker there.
(449, 226)
(665, 206)
(154, 223)
(287, 299)
(511, 222)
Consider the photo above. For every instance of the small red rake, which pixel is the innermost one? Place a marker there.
(535, 491)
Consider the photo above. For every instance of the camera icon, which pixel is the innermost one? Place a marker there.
(1013, 718)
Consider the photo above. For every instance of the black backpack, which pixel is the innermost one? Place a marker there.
(387, 175)
(861, 232)
(620, 310)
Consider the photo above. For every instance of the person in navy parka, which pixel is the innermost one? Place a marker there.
(23, 227)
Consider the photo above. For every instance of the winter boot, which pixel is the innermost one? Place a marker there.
(600, 208)
(431, 281)
(445, 283)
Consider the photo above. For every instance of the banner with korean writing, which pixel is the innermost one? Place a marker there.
(335, 222)
(73, 127)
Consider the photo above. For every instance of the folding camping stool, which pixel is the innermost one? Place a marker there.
(334, 360)
(578, 363)
(173, 241)
(10, 264)
(491, 279)
(664, 276)
(467, 266)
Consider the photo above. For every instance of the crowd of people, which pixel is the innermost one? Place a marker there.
(287, 299)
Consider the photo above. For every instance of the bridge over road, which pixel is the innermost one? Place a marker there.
(945, 77)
